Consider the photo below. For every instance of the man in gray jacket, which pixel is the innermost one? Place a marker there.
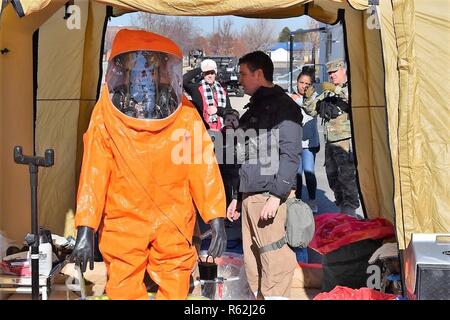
(269, 145)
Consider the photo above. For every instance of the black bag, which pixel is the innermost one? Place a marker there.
(347, 266)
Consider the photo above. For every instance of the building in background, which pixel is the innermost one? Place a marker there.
(279, 52)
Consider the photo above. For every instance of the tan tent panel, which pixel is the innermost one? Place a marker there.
(271, 8)
(250, 9)
(399, 83)
(67, 86)
(68, 63)
(16, 116)
(369, 115)
(253, 8)
(415, 37)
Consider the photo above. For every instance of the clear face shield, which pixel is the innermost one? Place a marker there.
(145, 84)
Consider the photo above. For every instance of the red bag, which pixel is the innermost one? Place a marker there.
(335, 230)
(22, 269)
(344, 293)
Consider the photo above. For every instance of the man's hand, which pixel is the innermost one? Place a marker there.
(328, 86)
(269, 210)
(232, 213)
(309, 92)
(212, 110)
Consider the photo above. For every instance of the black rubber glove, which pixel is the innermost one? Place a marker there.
(219, 238)
(84, 248)
(344, 106)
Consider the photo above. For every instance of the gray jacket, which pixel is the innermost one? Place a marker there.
(269, 143)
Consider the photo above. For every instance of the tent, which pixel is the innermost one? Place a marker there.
(399, 74)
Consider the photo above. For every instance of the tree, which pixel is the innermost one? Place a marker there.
(214, 43)
(258, 35)
(179, 29)
(313, 38)
(201, 43)
(221, 42)
(284, 35)
(226, 35)
(301, 37)
(239, 47)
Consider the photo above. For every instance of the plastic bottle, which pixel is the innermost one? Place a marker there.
(45, 256)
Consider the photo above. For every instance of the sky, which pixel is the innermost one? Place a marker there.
(207, 23)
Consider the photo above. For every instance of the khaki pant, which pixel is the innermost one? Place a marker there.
(270, 273)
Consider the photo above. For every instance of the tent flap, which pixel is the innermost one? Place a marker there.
(322, 10)
(253, 8)
(67, 91)
(26, 7)
(362, 4)
(417, 59)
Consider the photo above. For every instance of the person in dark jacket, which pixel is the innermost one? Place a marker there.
(208, 95)
(229, 168)
(269, 144)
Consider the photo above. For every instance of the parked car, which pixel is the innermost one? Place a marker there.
(227, 73)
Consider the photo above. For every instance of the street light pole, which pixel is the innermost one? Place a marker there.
(313, 57)
(291, 62)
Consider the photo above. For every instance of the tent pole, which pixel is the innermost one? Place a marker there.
(291, 61)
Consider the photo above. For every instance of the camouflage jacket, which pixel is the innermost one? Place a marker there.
(335, 129)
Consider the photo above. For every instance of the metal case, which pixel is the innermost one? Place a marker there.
(427, 267)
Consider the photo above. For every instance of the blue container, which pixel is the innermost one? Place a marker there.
(302, 254)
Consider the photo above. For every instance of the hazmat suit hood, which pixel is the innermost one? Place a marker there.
(144, 79)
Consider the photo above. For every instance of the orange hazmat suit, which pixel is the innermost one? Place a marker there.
(139, 181)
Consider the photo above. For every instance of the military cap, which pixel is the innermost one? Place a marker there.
(334, 65)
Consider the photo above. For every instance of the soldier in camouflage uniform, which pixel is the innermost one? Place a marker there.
(332, 105)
